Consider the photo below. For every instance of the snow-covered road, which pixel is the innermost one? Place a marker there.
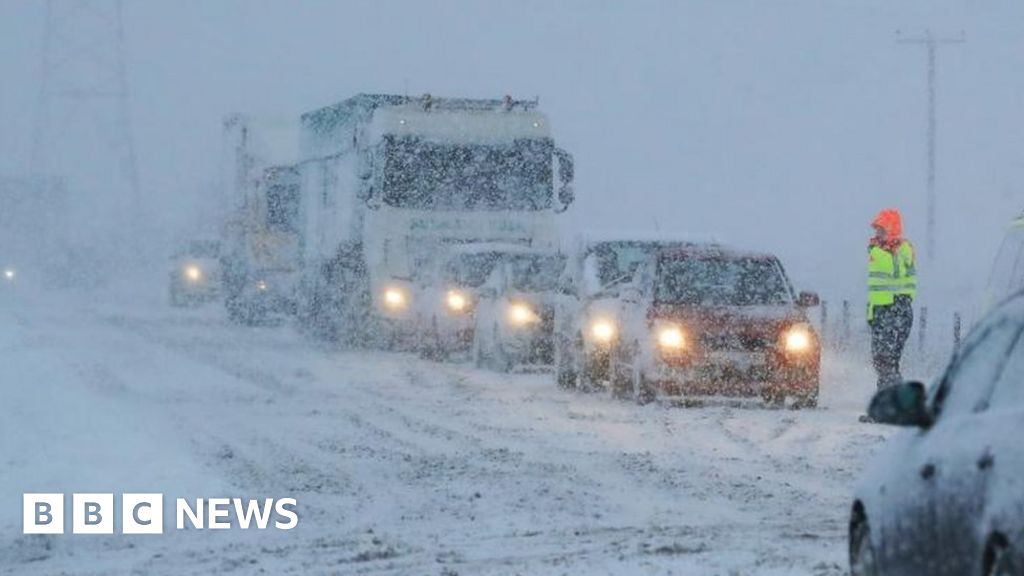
(401, 466)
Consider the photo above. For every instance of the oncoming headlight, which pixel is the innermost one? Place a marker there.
(193, 273)
(395, 298)
(602, 330)
(9, 273)
(520, 314)
(671, 338)
(797, 339)
(456, 301)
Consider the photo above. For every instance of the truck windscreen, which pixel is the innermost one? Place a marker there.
(420, 174)
(536, 273)
(721, 282)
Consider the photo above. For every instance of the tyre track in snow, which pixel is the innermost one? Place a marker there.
(407, 432)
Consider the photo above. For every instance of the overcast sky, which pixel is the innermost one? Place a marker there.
(775, 125)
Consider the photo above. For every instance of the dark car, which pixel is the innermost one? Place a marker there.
(710, 321)
(946, 496)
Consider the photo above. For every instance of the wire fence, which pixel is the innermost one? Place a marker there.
(936, 334)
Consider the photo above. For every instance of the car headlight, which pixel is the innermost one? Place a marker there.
(395, 298)
(603, 330)
(456, 301)
(671, 338)
(797, 339)
(262, 285)
(193, 273)
(520, 314)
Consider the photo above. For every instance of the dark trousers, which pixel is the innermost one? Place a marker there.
(890, 329)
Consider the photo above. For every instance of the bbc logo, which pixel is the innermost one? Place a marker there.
(93, 513)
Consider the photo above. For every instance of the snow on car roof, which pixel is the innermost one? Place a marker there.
(714, 250)
(480, 247)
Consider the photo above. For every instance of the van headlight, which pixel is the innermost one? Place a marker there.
(603, 330)
(395, 298)
(456, 301)
(797, 339)
(193, 273)
(521, 314)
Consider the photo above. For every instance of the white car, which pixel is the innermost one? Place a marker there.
(445, 297)
(1007, 275)
(195, 274)
(515, 312)
(946, 497)
(587, 314)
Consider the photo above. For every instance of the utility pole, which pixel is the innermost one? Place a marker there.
(83, 98)
(930, 42)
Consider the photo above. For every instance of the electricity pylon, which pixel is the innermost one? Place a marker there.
(83, 107)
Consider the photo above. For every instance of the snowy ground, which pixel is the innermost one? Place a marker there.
(401, 466)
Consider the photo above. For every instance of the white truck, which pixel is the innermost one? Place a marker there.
(260, 250)
(390, 183)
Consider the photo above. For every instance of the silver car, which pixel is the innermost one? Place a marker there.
(946, 496)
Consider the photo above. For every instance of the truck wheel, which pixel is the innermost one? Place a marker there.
(565, 377)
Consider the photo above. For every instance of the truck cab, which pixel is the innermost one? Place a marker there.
(388, 182)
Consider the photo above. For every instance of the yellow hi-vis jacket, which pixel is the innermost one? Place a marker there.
(890, 274)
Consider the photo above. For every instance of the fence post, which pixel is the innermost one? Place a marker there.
(956, 332)
(845, 334)
(922, 329)
(824, 321)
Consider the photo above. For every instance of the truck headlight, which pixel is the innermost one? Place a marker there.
(520, 314)
(456, 301)
(671, 338)
(395, 298)
(193, 273)
(797, 339)
(602, 330)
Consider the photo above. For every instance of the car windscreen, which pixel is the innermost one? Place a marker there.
(616, 261)
(535, 273)
(721, 281)
(471, 270)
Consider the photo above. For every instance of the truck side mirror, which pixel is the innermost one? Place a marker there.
(566, 172)
(630, 294)
(566, 168)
